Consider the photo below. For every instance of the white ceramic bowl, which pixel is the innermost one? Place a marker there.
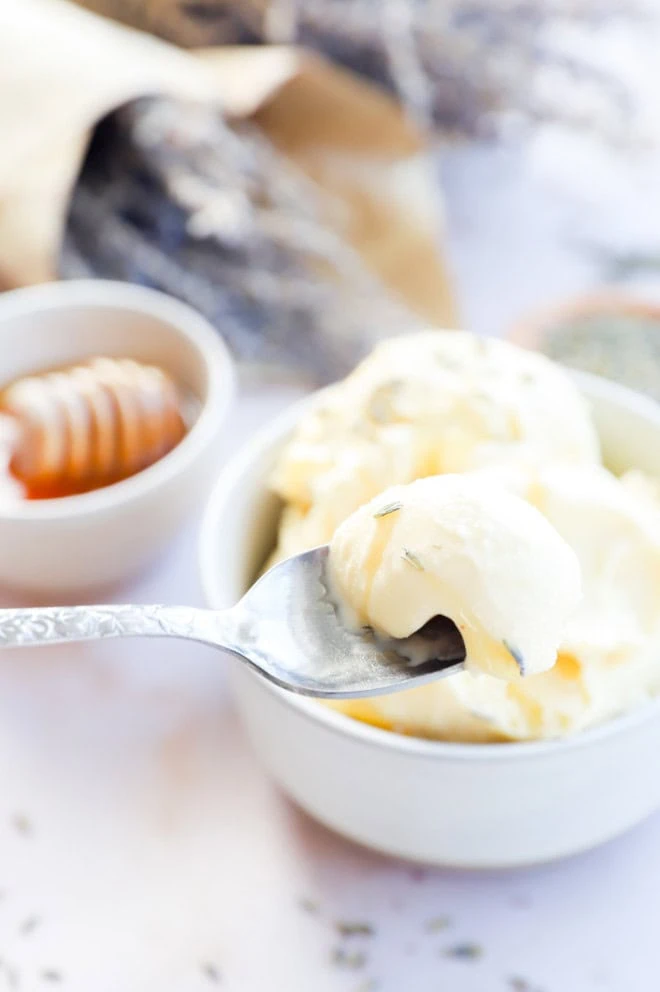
(59, 547)
(477, 806)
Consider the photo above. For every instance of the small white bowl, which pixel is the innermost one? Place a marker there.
(465, 805)
(60, 547)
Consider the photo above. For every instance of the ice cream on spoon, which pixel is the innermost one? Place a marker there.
(463, 548)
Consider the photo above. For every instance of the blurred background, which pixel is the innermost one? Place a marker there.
(315, 174)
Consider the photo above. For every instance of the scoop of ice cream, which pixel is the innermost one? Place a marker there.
(420, 405)
(459, 547)
(613, 525)
(608, 657)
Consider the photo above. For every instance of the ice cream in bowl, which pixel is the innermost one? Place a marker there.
(461, 480)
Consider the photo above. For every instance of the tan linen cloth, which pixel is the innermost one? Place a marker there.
(63, 68)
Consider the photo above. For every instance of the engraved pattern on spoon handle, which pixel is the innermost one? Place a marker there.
(61, 624)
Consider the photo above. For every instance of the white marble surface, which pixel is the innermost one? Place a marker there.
(137, 826)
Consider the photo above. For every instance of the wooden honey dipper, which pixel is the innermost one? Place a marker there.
(91, 425)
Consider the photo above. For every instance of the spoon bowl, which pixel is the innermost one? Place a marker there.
(293, 635)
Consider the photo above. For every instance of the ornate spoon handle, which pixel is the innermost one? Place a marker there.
(62, 624)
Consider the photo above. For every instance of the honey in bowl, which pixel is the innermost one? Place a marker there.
(90, 425)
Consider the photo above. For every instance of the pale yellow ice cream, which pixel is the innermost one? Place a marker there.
(609, 652)
(421, 405)
(462, 547)
(439, 403)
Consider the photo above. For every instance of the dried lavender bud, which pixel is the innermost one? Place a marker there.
(211, 972)
(22, 824)
(350, 929)
(353, 960)
(51, 975)
(387, 509)
(465, 952)
(517, 656)
(310, 906)
(412, 559)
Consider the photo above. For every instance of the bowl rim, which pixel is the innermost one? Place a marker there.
(224, 492)
(107, 294)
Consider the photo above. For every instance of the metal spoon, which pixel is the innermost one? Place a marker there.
(285, 628)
